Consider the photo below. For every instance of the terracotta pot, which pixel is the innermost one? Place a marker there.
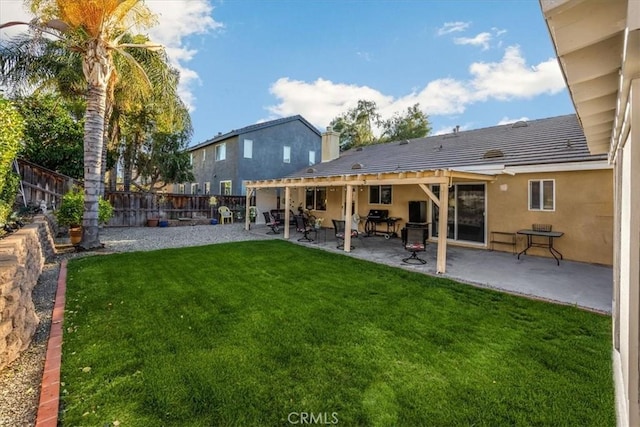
(76, 235)
(152, 222)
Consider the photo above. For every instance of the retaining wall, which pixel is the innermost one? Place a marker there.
(22, 256)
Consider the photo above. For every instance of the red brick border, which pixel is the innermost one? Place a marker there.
(50, 386)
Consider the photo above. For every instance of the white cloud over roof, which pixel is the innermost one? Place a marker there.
(510, 78)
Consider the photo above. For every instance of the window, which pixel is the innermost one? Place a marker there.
(380, 195)
(248, 148)
(286, 157)
(542, 195)
(207, 188)
(316, 198)
(181, 188)
(204, 155)
(191, 159)
(221, 151)
(194, 188)
(225, 188)
(312, 158)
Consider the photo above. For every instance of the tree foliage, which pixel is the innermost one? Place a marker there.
(53, 135)
(356, 126)
(412, 124)
(11, 129)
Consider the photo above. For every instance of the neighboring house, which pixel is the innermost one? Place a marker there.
(266, 150)
(598, 47)
(502, 178)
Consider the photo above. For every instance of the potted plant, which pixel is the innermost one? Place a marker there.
(317, 223)
(71, 212)
(213, 201)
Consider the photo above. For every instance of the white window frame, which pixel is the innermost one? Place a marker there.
(221, 152)
(248, 149)
(312, 157)
(207, 188)
(204, 155)
(223, 185)
(286, 154)
(541, 207)
(379, 201)
(194, 188)
(181, 188)
(191, 158)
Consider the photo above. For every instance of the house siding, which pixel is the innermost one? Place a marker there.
(585, 217)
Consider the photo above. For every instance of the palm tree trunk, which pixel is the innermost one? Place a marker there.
(93, 142)
(97, 67)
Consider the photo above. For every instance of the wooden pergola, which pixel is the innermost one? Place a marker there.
(442, 177)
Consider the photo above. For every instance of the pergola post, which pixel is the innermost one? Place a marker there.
(247, 209)
(347, 219)
(443, 218)
(287, 216)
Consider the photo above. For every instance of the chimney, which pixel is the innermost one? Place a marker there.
(330, 145)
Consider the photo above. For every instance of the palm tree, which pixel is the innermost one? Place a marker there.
(94, 29)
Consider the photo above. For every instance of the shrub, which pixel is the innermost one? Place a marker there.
(71, 209)
(11, 131)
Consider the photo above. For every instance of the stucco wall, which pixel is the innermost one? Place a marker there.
(583, 211)
(22, 256)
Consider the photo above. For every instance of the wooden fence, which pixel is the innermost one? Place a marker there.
(132, 209)
(40, 183)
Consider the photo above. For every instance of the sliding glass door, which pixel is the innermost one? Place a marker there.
(466, 213)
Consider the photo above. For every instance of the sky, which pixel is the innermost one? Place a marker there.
(467, 63)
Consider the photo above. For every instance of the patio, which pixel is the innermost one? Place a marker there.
(585, 285)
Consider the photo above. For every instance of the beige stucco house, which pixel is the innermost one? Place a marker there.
(598, 47)
(467, 185)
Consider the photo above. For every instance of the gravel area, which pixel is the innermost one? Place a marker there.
(20, 382)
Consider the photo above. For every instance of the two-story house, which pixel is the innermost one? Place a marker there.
(266, 150)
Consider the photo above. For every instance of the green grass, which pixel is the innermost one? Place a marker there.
(247, 333)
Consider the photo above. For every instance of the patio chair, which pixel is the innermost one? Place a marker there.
(302, 226)
(271, 223)
(225, 214)
(541, 227)
(414, 240)
(339, 226)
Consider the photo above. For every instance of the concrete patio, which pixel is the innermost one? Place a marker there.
(585, 285)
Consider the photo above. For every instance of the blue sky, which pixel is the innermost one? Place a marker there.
(472, 63)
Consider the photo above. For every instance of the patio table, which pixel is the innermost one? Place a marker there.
(550, 235)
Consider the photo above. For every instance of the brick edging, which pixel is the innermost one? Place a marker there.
(50, 386)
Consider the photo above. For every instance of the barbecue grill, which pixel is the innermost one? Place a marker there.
(377, 217)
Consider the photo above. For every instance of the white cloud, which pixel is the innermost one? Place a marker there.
(481, 39)
(366, 56)
(512, 78)
(322, 100)
(506, 120)
(177, 20)
(452, 27)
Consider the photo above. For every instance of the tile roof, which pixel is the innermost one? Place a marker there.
(253, 128)
(552, 140)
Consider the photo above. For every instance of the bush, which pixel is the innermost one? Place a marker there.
(11, 131)
(71, 209)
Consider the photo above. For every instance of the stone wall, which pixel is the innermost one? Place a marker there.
(22, 256)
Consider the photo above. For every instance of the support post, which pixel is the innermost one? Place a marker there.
(443, 218)
(287, 216)
(348, 219)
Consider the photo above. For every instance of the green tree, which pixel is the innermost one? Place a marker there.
(412, 124)
(93, 28)
(164, 160)
(11, 128)
(53, 136)
(357, 124)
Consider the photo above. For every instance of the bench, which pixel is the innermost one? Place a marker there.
(503, 238)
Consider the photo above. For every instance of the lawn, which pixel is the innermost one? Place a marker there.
(272, 333)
